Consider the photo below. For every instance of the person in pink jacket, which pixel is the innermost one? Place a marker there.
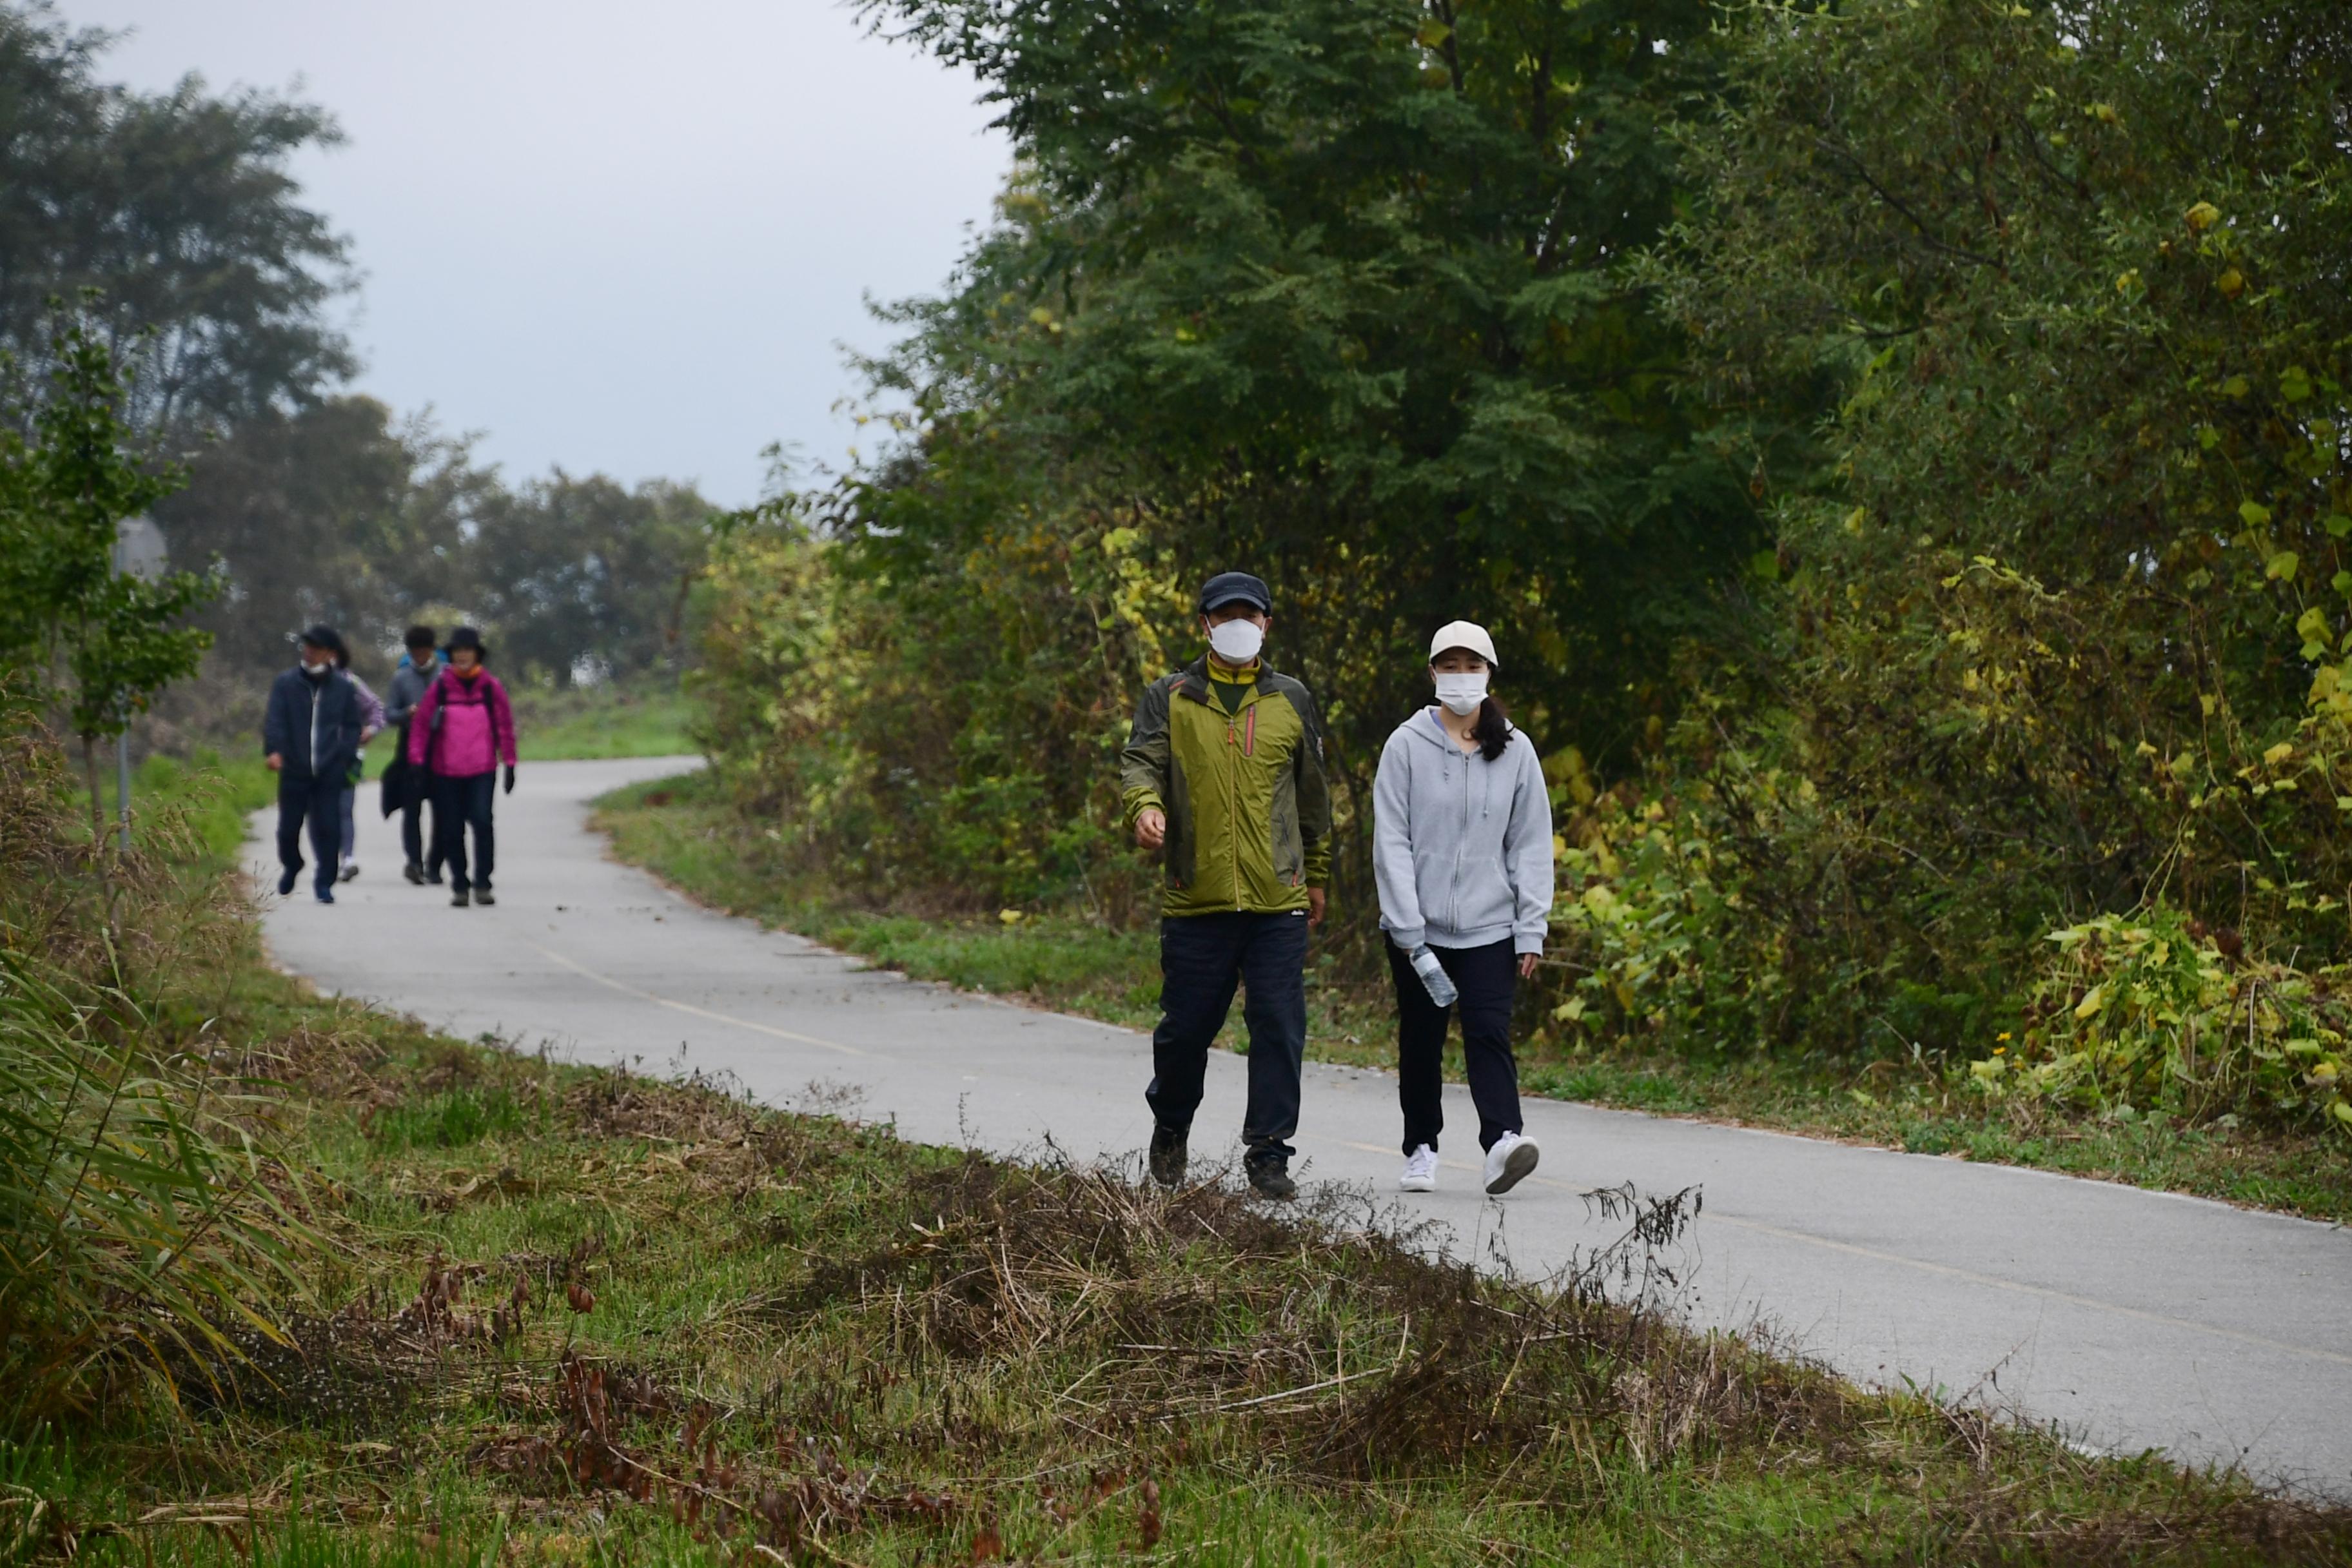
(463, 728)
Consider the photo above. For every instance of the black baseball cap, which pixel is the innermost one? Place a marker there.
(1235, 587)
(326, 637)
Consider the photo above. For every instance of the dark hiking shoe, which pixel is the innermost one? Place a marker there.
(414, 872)
(326, 895)
(286, 879)
(459, 900)
(1269, 1177)
(482, 895)
(433, 877)
(1167, 1157)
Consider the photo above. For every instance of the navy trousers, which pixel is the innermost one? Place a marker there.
(1201, 959)
(321, 802)
(459, 803)
(1487, 977)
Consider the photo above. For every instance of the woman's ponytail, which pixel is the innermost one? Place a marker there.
(1492, 731)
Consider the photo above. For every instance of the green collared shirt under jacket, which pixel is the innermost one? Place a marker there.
(1249, 810)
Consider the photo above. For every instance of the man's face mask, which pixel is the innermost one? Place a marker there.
(1237, 641)
(1462, 693)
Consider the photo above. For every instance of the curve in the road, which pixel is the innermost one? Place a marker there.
(2132, 1318)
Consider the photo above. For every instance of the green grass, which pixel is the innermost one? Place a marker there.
(602, 722)
(683, 830)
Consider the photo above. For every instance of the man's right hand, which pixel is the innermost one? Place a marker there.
(276, 761)
(1151, 827)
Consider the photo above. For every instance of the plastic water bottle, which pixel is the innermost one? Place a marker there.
(1432, 975)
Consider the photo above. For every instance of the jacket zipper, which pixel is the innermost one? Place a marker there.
(1461, 841)
(1233, 820)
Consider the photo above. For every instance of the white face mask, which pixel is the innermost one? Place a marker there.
(316, 668)
(1462, 693)
(1237, 641)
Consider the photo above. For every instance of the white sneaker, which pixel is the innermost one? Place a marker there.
(1508, 1163)
(1420, 1171)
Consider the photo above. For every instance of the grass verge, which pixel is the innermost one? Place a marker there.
(685, 832)
(582, 1317)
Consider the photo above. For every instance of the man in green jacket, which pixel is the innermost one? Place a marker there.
(1224, 770)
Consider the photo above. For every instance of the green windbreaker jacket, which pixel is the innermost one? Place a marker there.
(1249, 809)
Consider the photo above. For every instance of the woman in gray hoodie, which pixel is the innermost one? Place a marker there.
(1461, 851)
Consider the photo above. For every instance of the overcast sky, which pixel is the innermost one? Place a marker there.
(607, 235)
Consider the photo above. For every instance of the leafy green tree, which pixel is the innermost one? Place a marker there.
(177, 206)
(335, 512)
(2061, 626)
(1336, 292)
(103, 641)
(584, 578)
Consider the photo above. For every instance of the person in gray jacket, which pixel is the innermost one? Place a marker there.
(419, 666)
(1462, 855)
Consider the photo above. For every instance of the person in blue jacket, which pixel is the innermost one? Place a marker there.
(311, 737)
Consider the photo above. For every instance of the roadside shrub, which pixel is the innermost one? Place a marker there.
(2152, 1012)
(141, 1210)
(1651, 919)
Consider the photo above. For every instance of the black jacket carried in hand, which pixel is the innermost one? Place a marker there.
(314, 724)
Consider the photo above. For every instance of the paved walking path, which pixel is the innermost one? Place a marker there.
(2133, 1319)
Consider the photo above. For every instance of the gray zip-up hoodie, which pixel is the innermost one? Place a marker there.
(1461, 846)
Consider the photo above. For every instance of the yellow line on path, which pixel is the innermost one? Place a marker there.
(606, 980)
(1991, 1281)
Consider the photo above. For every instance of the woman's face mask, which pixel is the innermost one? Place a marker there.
(1462, 693)
(1237, 641)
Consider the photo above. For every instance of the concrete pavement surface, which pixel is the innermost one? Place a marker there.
(2131, 1320)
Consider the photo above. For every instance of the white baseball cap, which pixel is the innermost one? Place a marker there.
(1466, 635)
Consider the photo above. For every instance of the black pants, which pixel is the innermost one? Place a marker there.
(321, 801)
(1488, 978)
(412, 835)
(459, 803)
(1201, 959)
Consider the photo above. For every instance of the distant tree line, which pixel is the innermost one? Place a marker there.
(1900, 445)
(167, 228)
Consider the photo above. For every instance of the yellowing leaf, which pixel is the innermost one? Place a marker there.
(2127, 281)
(2282, 567)
(2231, 283)
(2278, 753)
(1011, 917)
(2203, 216)
(2091, 1003)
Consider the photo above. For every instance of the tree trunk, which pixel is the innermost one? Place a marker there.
(97, 805)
